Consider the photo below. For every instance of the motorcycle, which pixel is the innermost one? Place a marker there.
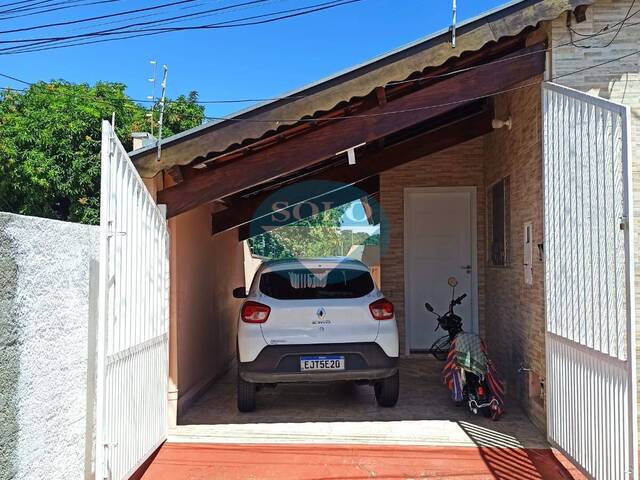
(449, 322)
(468, 372)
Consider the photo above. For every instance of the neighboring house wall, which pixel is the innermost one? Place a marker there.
(48, 289)
(618, 80)
(204, 271)
(515, 320)
(462, 165)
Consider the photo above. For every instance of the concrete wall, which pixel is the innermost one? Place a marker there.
(204, 271)
(515, 321)
(462, 165)
(47, 361)
(618, 81)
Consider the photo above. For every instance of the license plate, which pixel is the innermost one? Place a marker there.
(322, 362)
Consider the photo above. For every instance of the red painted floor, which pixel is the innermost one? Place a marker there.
(353, 462)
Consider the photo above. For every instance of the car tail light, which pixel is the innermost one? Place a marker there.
(254, 312)
(382, 309)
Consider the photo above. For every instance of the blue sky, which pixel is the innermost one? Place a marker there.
(256, 61)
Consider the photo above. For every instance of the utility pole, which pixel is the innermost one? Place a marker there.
(453, 25)
(152, 97)
(164, 91)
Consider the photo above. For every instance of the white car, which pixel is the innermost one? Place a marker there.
(316, 320)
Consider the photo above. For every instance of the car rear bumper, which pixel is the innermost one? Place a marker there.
(281, 363)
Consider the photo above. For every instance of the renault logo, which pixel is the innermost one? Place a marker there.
(321, 313)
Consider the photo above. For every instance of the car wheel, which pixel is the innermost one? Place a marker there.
(387, 390)
(246, 395)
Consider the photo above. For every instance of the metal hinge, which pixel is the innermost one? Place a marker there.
(105, 463)
(624, 222)
(113, 233)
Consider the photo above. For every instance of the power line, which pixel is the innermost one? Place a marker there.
(101, 17)
(154, 14)
(40, 44)
(395, 112)
(603, 31)
(414, 80)
(63, 7)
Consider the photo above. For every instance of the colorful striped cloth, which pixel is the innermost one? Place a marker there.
(468, 353)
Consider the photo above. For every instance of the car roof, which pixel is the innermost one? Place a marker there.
(317, 262)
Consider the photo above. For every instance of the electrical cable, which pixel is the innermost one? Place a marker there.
(395, 112)
(117, 14)
(284, 14)
(64, 6)
(604, 30)
(414, 80)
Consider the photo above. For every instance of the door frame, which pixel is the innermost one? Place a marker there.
(473, 191)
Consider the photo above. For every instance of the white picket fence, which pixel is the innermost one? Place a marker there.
(133, 317)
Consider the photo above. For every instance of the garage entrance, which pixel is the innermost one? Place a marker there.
(456, 125)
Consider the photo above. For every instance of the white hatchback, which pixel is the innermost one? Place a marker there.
(316, 320)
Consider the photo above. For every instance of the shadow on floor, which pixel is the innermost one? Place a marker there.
(347, 412)
(507, 460)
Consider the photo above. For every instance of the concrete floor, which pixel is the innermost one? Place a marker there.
(343, 413)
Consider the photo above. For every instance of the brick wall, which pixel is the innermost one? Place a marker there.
(618, 81)
(461, 165)
(511, 315)
(515, 311)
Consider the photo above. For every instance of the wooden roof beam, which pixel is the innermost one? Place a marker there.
(324, 141)
(243, 211)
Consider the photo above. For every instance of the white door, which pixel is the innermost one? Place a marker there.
(439, 243)
(589, 271)
(132, 348)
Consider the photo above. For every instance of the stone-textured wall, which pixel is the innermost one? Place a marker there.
(514, 311)
(462, 165)
(48, 274)
(618, 80)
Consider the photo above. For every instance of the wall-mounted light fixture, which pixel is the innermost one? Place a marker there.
(497, 124)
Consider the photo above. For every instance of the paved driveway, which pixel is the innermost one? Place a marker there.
(348, 413)
(337, 431)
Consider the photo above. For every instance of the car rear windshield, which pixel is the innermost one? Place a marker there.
(305, 284)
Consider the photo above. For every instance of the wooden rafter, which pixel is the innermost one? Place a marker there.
(243, 211)
(322, 143)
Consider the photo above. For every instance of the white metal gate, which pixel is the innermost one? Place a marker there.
(590, 315)
(133, 318)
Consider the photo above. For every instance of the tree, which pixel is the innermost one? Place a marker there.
(316, 236)
(180, 114)
(50, 144)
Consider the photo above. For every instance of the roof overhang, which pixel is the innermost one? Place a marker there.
(214, 138)
(434, 112)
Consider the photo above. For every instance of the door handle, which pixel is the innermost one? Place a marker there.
(466, 267)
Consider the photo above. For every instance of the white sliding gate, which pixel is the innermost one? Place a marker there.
(588, 249)
(131, 418)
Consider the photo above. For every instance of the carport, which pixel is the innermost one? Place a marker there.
(409, 145)
(458, 148)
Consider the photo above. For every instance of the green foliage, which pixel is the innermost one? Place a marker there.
(180, 114)
(50, 144)
(317, 236)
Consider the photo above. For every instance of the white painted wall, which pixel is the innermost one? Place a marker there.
(47, 272)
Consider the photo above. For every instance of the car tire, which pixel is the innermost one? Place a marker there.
(246, 395)
(388, 390)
